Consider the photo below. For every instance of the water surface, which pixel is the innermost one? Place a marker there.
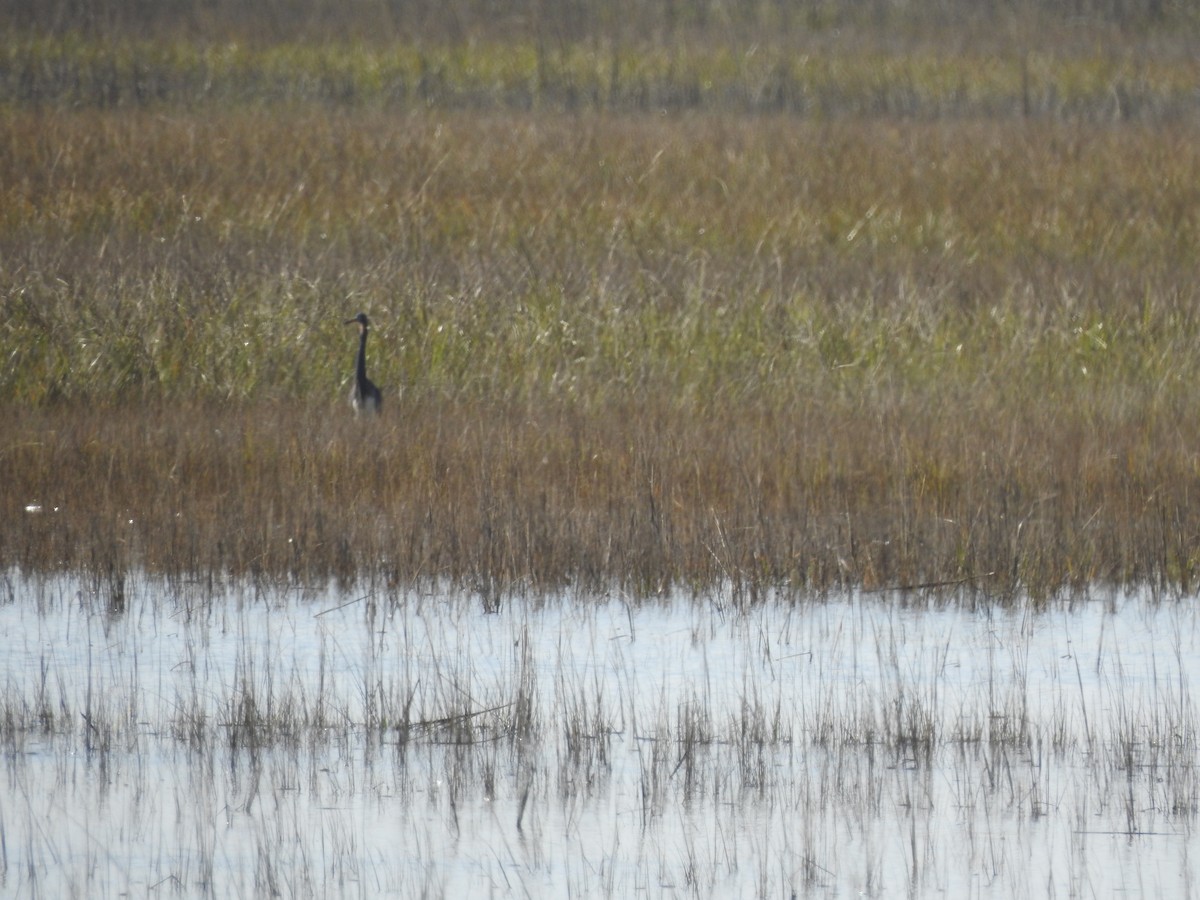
(244, 741)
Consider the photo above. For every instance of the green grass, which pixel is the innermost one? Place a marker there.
(712, 257)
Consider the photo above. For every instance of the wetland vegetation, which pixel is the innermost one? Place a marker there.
(845, 334)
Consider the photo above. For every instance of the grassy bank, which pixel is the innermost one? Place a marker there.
(878, 348)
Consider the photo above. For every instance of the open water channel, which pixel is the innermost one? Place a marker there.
(171, 740)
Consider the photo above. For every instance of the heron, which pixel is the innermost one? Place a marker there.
(364, 395)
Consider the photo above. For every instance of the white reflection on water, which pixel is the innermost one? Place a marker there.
(247, 744)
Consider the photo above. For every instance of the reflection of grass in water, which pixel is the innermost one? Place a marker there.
(428, 704)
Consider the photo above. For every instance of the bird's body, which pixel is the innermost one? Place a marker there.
(364, 395)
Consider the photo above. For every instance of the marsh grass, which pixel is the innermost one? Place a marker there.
(1097, 60)
(535, 501)
(880, 348)
(632, 372)
(814, 75)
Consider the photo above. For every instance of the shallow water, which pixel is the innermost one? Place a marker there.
(313, 743)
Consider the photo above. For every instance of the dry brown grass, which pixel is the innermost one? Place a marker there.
(641, 496)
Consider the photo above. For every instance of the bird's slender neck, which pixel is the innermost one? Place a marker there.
(361, 364)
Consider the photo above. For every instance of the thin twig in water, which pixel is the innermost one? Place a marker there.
(342, 605)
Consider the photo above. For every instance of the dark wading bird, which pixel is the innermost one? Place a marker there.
(364, 396)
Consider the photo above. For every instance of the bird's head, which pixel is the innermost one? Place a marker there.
(360, 319)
